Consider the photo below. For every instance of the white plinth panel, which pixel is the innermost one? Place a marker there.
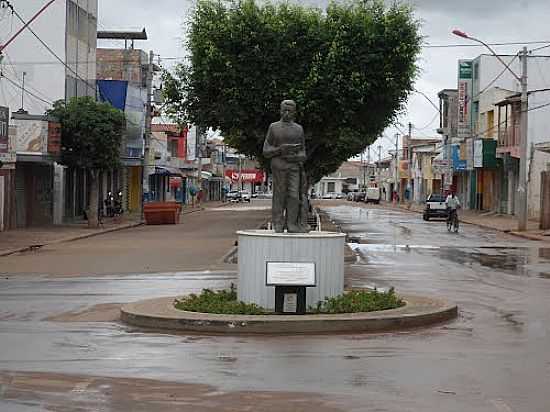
(257, 247)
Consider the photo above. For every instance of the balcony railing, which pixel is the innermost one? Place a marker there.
(509, 136)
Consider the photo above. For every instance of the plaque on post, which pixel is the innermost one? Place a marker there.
(290, 280)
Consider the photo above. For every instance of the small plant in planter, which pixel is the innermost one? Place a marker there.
(222, 302)
(359, 301)
(225, 302)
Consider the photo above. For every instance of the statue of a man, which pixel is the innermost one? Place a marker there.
(285, 146)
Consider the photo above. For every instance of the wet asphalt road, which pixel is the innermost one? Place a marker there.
(495, 357)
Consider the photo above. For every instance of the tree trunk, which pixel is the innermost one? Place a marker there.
(93, 220)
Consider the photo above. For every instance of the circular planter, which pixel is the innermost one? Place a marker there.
(160, 314)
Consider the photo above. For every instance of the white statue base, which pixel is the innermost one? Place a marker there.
(259, 247)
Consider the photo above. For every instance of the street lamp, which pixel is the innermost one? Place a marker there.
(522, 187)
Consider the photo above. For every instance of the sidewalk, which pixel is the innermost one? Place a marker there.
(199, 242)
(490, 220)
(21, 240)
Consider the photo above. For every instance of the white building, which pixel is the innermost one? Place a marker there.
(491, 100)
(54, 61)
(69, 29)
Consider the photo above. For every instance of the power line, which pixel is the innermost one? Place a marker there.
(3, 76)
(496, 78)
(539, 48)
(52, 52)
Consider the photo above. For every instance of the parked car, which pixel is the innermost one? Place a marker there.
(245, 196)
(360, 196)
(435, 207)
(351, 196)
(329, 195)
(234, 196)
(339, 196)
(373, 195)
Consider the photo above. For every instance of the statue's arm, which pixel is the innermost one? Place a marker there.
(299, 155)
(270, 150)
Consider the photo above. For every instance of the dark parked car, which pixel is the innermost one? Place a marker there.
(436, 207)
(359, 197)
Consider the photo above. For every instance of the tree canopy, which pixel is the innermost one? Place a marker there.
(350, 69)
(91, 133)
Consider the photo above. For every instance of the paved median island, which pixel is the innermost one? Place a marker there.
(161, 314)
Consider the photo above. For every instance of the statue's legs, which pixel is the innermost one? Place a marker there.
(294, 204)
(278, 203)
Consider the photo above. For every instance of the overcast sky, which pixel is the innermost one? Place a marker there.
(492, 21)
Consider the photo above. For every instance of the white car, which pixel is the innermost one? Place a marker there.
(245, 196)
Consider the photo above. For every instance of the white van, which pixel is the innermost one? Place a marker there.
(373, 195)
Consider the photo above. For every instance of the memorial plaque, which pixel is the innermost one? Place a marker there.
(290, 274)
(290, 302)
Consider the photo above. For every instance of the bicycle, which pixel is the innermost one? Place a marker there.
(452, 221)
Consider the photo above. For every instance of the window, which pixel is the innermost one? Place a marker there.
(173, 148)
(331, 187)
(491, 123)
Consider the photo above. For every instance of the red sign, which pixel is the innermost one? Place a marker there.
(247, 175)
(54, 138)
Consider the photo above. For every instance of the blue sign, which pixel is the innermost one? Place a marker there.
(459, 165)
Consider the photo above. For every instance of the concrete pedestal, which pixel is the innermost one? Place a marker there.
(257, 247)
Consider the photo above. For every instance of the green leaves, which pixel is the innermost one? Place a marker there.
(350, 70)
(222, 302)
(91, 133)
(360, 301)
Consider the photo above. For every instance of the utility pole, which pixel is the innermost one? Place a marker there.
(396, 165)
(23, 94)
(148, 122)
(378, 165)
(367, 168)
(524, 127)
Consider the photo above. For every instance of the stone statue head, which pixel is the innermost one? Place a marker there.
(288, 110)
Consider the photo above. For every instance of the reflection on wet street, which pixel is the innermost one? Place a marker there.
(494, 358)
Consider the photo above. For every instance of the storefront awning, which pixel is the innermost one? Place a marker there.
(168, 171)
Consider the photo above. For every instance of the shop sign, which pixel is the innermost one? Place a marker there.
(465, 74)
(478, 153)
(54, 138)
(459, 162)
(404, 169)
(485, 153)
(247, 176)
(469, 154)
(32, 136)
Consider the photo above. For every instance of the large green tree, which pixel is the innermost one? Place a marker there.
(91, 135)
(350, 68)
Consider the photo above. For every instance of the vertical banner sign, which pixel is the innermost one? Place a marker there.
(4, 129)
(465, 77)
(192, 137)
(478, 153)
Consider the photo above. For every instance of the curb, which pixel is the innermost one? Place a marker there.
(71, 238)
(160, 314)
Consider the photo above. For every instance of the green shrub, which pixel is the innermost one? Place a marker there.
(225, 302)
(359, 301)
(222, 302)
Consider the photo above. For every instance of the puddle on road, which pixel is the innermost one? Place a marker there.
(519, 261)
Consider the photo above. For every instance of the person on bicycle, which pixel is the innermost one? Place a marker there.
(453, 204)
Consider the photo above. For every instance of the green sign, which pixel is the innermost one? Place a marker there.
(465, 69)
